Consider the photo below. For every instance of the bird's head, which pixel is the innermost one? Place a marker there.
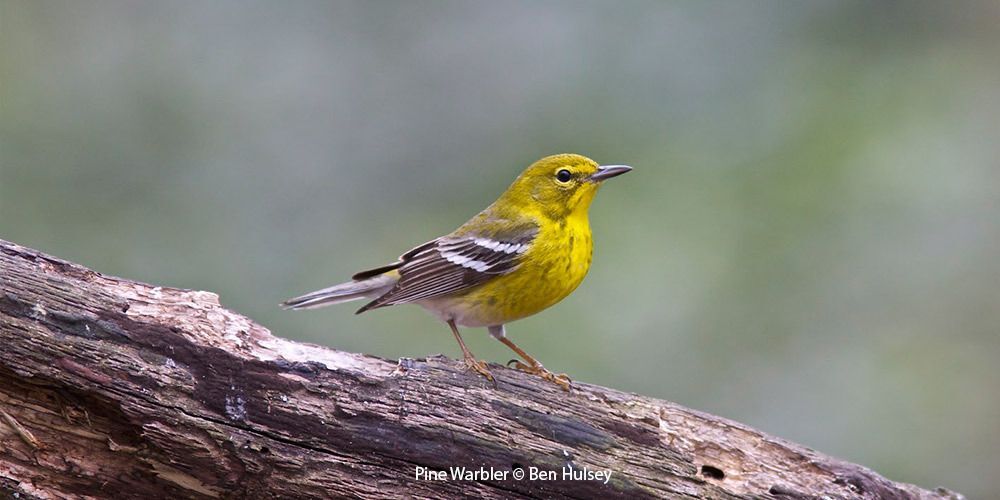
(560, 185)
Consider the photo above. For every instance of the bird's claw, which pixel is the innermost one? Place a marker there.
(479, 367)
(560, 379)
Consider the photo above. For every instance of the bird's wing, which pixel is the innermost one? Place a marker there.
(453, 263)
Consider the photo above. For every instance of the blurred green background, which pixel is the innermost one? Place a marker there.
(809, 242)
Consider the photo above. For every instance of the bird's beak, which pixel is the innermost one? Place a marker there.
(608, 171)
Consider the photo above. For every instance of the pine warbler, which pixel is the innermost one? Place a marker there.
(525, 252)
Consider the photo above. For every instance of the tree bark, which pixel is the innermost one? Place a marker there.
(113, 388)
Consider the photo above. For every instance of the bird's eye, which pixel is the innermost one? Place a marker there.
(564, 175)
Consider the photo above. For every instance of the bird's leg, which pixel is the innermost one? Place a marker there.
(533, 366)
(470, 360)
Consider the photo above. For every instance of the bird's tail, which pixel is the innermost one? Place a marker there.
(345, 292)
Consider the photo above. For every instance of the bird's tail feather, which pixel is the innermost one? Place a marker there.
(344, 292)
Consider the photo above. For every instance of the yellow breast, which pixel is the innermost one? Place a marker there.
(552, 268)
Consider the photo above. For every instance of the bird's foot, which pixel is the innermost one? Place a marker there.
(560, 379)
(479, 366)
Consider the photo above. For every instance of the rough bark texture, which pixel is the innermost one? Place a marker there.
(110, 387)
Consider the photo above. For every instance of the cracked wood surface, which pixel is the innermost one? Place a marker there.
(110, 387)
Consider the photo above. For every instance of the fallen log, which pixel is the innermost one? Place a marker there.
(113, 388)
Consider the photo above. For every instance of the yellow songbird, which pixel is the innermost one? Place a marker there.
(525, 252)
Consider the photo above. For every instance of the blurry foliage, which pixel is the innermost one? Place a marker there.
(808, 243)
